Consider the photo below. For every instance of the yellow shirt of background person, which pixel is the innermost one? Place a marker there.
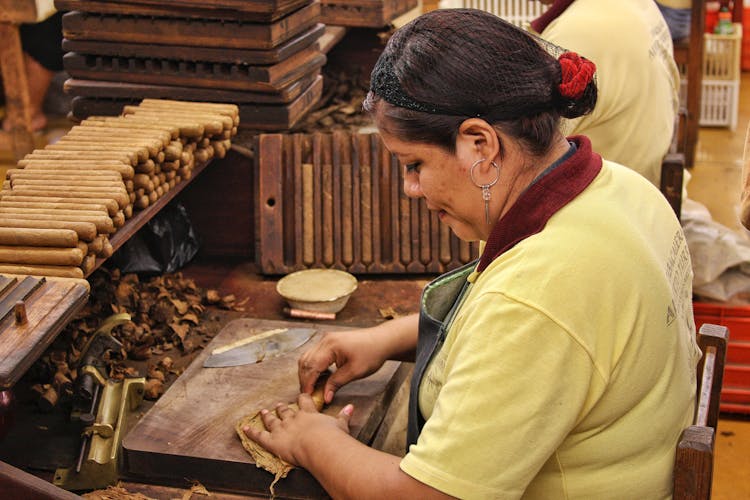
(532, 398)
(629, 41)
(676, 4)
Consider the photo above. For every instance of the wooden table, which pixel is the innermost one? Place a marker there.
(12, 14)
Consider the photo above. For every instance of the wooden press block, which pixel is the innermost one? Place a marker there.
(195, 32)
(97, 89)
(195, 74)
(206, 54)
(258, 116)
(336, 200)
(189, 432)
(259, 11)
(18, 11)
(49, 307)
(364, 13)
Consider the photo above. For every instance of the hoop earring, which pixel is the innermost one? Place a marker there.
(485, 187)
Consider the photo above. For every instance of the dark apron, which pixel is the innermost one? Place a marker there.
(440, 301)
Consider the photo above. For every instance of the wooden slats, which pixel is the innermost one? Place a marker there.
(335, 200)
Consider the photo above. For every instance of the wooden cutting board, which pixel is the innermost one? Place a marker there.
(189, 432)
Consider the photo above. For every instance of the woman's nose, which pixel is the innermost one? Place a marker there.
(412, 188)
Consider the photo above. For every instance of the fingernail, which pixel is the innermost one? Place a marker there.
(245, 429)
(348, 410)
(263, 411)
(329, 396)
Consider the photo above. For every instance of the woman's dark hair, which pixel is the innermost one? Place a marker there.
(452, 64)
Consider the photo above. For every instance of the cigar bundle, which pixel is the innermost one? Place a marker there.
(62, 203)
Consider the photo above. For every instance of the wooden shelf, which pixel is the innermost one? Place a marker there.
(139, 219)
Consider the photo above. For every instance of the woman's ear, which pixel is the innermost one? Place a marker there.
(478, 135)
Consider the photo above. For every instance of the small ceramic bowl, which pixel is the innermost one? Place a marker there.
(319, 290)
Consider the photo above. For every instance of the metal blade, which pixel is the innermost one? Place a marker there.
(259, 347)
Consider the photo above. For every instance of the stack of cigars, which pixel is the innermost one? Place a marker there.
(60, 206)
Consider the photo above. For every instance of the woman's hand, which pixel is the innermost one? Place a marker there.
(289, 430)
(356, 354)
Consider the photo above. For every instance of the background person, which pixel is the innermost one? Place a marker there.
(629, 41)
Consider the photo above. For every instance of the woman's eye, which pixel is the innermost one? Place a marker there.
(412, 167)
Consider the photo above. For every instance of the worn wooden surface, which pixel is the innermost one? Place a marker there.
(336, 200)
(200, 33)
(49, 307)
(208, 54)
(255, 116)
(205, 75)
(364, 13)
(190, 432)
(17, 11)
(15, 87)
(257, 11)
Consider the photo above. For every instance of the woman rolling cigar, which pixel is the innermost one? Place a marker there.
(561, 364)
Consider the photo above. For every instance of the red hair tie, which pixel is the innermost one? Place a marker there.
(576, 73)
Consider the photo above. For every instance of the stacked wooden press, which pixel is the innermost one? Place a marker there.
(262, 55)
(62, 205)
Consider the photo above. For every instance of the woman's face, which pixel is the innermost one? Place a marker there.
(443, 180)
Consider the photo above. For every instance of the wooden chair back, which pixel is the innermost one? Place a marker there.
(693, 470)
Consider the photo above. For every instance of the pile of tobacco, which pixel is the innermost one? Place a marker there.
(159, 325)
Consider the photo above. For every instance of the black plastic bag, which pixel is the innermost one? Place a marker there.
(163, 245)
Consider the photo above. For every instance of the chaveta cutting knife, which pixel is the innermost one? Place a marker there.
(256, 348)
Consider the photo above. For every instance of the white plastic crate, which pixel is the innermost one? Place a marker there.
(719, 103)
(518, 12)
(722, 55)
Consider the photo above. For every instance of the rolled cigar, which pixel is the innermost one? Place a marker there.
(152, 197)
(120, 197)
(170, 165)
(134, 154)
(85, 230)
(71, 142)
(159, 191)
(103, 223)
(146, 167)
(103, 183)
(49, 207)
(164, 137)
(128, 211)
(187, 128)
(97, 244)
(202, 155)
(51, 172)
(211, 126)
(149, 142)
(92, 155)
(60, 212)
(107, 249)
(88, 264)
(301, 313)
(37, 237)
(204, 142)
(141, 202)
(60, 271)
(173, 151)
(131, 197)
(168, 176)
(49, 256)
(226, 116)
(11, 197)
(143, 181)
(83, 247)
(126, 171)
(219, 149)
(129, 187)
(227, 109)
(186, 157)
(119, 219)
(119, 122)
